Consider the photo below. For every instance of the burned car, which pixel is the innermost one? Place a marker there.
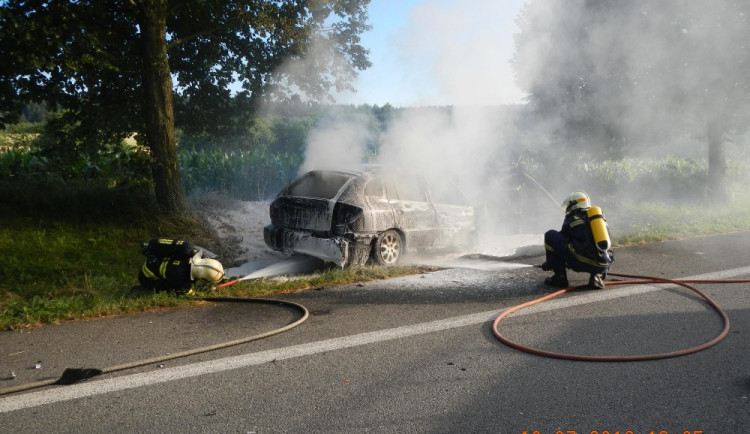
(351, 216)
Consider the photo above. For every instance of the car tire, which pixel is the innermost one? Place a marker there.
(388, 248)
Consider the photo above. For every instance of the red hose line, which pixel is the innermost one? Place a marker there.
(640, 280)
(230, 282)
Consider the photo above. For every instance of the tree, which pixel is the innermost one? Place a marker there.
(115, 70)
(624, 76)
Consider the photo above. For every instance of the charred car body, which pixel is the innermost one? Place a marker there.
(349, 216)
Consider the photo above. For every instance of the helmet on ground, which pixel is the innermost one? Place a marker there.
(576, 200)
(206, 269)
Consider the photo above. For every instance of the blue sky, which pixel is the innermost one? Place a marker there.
(436, 52)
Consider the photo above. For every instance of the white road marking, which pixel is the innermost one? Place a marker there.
(96, 387)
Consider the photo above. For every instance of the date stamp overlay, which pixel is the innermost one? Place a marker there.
(571, 431)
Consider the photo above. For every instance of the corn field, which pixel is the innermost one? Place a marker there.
(245, 175)
(259, 173)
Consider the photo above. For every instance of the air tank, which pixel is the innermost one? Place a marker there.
(599, 228)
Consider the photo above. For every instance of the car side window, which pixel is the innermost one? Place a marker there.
(409, 188)
(390, 188)
(447, 193)
(375, 188)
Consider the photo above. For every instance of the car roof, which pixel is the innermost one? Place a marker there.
(362, 170)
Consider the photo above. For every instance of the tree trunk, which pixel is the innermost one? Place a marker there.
(717, 163)
(159, 111)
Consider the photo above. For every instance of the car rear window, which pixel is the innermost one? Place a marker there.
(321, 185)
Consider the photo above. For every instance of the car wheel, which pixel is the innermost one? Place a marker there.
(388, 248)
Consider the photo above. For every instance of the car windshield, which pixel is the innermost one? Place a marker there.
(321, 185)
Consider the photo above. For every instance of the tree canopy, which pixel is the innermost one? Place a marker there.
(114, 68)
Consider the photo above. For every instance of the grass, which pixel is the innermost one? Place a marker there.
(57, 271)
(317, 280)
(649, 222)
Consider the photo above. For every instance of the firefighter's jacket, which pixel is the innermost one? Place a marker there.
(581, 245)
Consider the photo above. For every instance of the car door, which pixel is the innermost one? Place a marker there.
(455, 217)
(380, 214)
(413, 211)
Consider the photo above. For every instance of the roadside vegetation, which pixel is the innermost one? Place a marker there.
(70, 230)
(651, 221)
(662, 199)
(72, 224)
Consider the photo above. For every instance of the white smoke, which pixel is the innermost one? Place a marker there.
(657, 72)
(641, 82)
(464, 47)
(310, 76)
(337, 143)
(460, 133)
(462, 144)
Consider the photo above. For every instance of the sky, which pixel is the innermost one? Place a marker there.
(439, 52)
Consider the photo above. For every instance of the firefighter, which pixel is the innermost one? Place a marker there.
(577, 246)
(176, 265)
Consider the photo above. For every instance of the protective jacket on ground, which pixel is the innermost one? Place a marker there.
(167, 248)
(167, 265)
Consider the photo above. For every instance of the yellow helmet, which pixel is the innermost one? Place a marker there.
(576, 200)
(206, 269)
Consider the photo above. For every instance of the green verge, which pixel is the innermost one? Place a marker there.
(56, 270)
(315, 281)
(649, 222)
(59, 271)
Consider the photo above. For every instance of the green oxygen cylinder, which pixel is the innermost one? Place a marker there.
(599, 228)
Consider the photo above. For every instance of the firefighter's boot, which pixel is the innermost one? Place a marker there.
(596, 281)
(557, 281)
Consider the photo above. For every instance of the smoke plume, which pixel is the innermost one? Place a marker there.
(608, 79)
(459, 134)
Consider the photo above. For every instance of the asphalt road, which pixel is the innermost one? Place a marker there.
(413, 354)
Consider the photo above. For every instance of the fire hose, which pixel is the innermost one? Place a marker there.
(74, 375)
(636, 280)
(71, 376)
